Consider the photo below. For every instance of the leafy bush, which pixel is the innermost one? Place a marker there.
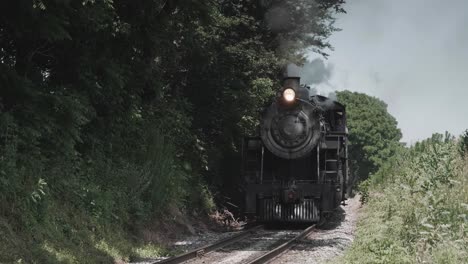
(363, 189)
(463, 144)
(419, 211)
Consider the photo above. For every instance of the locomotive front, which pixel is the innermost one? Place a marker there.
(290, 127)
(295, 170)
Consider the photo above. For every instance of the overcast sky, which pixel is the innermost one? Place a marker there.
(413, 54)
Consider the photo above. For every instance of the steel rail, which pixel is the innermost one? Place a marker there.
(199, 252)
(282, 248)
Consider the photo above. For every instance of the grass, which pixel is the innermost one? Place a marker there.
(92, 210)
(72, 241)
(417, 209)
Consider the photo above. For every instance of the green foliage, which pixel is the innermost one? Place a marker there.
(374, 136)
(111, 112)
(363, 189)
(463, 144)
(418, 213)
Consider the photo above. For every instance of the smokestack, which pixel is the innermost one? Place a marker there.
(291, 82)
(292, 70)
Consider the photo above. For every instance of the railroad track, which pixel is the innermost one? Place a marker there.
(264, 258)
(199, 252)
(282, 248)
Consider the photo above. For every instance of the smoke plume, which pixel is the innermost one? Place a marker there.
(315, 72)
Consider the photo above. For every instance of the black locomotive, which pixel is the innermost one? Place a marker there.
(296, 169)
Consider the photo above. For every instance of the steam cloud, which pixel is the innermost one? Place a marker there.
(332, 96)
(312, 73)
(316, 72)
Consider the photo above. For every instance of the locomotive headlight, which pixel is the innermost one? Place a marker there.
(289, 94)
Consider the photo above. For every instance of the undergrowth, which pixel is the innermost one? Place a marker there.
(90, 209)
(416, 207)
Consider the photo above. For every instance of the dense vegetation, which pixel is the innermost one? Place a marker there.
(374, 136)
(417, 210)
(416, 198)
(114, 111)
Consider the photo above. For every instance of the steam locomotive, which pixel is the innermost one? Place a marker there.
(296, 169)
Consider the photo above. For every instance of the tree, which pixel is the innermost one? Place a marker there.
(87, 88)
(373, 132)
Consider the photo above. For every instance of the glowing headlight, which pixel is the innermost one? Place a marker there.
(289, 95)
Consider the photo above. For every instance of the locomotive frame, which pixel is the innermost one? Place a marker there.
(296, 169)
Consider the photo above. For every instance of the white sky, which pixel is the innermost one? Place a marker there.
(413, 54)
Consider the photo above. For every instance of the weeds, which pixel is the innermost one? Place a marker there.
(463, 144)
(76, 209)
(417, 210)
